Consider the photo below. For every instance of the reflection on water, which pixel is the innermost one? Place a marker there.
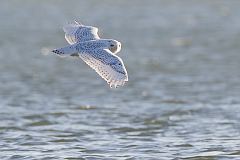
(181, 101)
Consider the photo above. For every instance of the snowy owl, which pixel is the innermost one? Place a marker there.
(99, 54)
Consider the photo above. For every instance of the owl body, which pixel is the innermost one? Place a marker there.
(98, 53)
(99, 43)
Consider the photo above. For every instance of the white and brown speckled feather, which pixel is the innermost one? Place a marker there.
(75, 33)
(114, 77)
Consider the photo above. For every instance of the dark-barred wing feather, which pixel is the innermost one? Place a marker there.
(76, 32)
(110, 67)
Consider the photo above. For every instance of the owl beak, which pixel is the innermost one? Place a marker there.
(118, 47)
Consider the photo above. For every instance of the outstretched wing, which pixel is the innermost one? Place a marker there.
(76, 32)
(110, 67)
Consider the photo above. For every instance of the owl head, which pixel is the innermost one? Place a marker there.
(114, 46)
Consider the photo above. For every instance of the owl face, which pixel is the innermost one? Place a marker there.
(114, 46)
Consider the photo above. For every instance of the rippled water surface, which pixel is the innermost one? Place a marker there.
(182, 100)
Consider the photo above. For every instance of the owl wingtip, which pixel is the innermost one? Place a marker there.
(77, 22)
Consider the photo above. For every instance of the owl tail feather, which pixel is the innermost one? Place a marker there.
(66, 51)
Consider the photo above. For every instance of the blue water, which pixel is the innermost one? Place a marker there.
(182, 100)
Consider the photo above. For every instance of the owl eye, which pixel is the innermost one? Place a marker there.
(111, 45)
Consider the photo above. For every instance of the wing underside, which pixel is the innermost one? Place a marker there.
(107, 72)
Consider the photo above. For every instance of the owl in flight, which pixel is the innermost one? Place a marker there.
(99, 54)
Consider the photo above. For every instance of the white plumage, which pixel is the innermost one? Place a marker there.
(98, 53)
(79, 33)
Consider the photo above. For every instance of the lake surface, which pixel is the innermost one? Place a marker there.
(182, 100)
